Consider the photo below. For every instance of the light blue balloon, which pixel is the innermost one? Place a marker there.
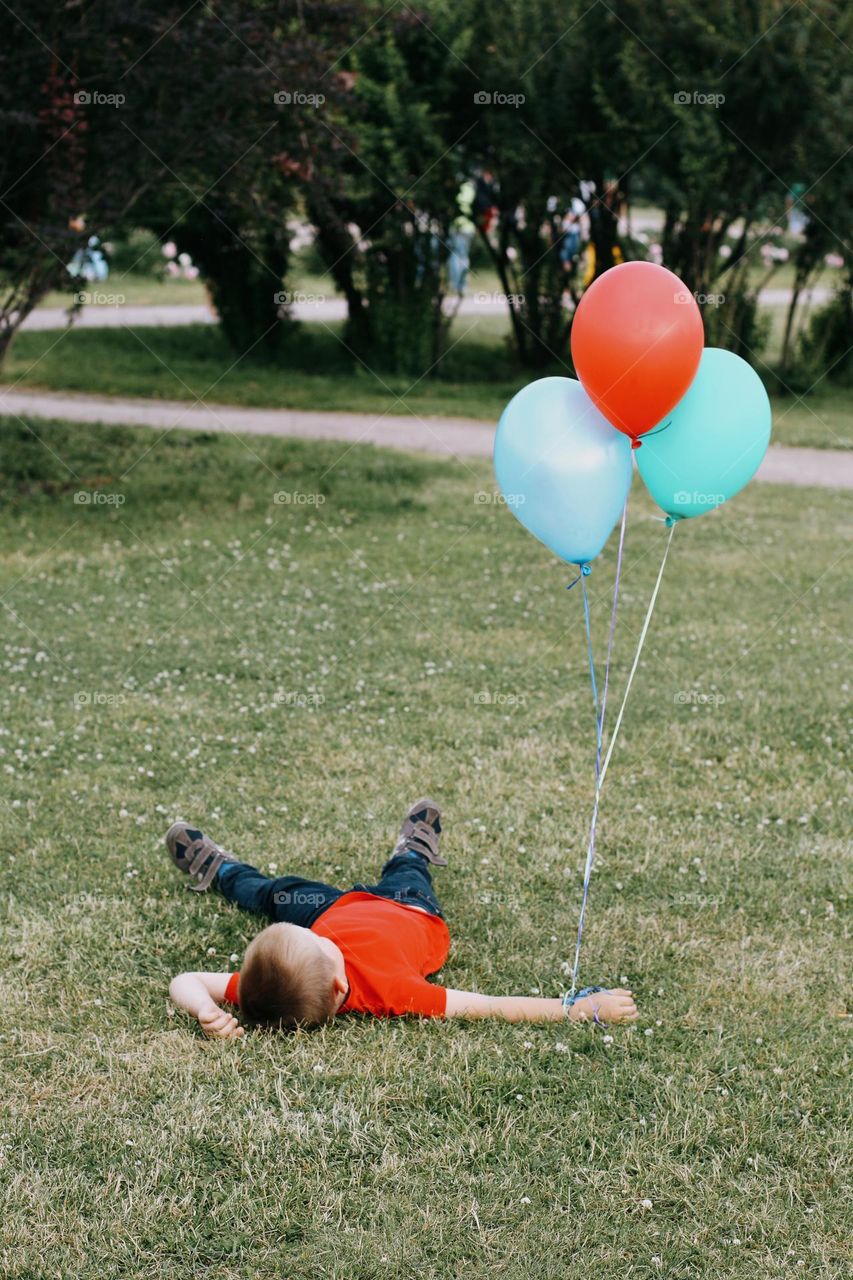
(563, 469)
(712, 443)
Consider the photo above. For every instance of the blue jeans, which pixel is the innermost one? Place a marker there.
(295, 900)
(459, 260)
(569, 246)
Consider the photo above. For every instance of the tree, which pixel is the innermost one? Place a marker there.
(739, 104)
(43, 161)
(383, 212)
(201, 123)
(246, 149)
(526, 99)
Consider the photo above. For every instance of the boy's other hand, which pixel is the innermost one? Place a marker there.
(219, 1023)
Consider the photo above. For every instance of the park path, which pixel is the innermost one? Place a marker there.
(456, 437)
(326, 309)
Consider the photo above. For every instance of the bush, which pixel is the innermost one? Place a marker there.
(737, 324)
(825, 350)
(140, 252)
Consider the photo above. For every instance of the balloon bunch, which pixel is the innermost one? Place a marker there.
(698, 419)
(563, 448)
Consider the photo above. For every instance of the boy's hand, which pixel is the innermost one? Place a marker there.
(219, 1023)
(198, 993)
(607, 1006)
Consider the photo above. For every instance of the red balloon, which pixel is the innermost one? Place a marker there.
(637, 340)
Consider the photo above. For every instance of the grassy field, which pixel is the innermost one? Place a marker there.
(290, 674)
(131, 289)
(316, 371)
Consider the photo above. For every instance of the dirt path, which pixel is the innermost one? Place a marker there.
(456, 437)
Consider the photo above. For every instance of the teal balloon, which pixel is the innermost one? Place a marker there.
(563, 469)
(712, 443)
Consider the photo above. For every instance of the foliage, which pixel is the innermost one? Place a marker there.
(384, 212)
(525, 133)
(736, 107)
(385, 119)
(826, 346)
(199, 123)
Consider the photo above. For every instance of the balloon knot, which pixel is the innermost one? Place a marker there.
(635, 443)
(585, 571)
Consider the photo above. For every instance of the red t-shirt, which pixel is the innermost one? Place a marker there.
(388, 948)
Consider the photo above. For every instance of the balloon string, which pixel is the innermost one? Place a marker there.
(647, 435)
(592, 680)
(636, 661)
(599, 724)
(585, 571)
(613, 609)
(590, 854)
(599, 783)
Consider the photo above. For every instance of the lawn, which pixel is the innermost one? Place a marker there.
(317, 371)
(131, 289)
(291, 674)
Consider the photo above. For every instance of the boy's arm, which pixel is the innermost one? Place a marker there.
(200, 994)
(613, 1006)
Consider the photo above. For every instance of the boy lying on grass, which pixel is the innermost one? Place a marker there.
(368, 949)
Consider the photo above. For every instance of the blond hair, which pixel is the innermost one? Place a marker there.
(285, 984)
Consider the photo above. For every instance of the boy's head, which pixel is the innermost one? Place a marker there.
(290, 978)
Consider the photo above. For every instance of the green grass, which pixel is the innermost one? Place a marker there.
(133, 290)
(317, 371)
(147, 646)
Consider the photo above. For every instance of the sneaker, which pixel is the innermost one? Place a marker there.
(196, 854)
(421, 832)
